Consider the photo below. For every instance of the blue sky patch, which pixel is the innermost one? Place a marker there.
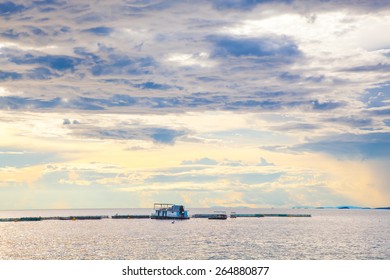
(202, 161)
(158, 135)
(9, 8)
(381, 67)
(56, 62)
(254, 47)
(20, 159)
(378, 96)
(196, 179)
(243, 4)
(40, 73)
(164, 135)
(327, 105)
(352, 121)
(257, 178)
(5, 75)
(100, 30)
(21, 103)
(152, 85)
(122, 64)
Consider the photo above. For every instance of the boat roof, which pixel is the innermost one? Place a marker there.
(162, 205)
(165, 205)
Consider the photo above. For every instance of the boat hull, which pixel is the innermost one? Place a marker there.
(169, 218)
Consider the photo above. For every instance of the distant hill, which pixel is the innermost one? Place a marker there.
(352, 207)
(340, 207)
(228, 207)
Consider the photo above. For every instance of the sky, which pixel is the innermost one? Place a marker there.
(121, 103)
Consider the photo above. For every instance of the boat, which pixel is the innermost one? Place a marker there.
(167, 211)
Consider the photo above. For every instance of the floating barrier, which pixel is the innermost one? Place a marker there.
(84, 218)
(215, 216)
(234, 215)
(218, 217)
(130, 217)
(23, 219)
(68, 218)
(288, 215)
(75, 218)
(202, 216)
(246, 215)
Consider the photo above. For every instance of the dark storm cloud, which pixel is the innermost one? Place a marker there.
(366, 146)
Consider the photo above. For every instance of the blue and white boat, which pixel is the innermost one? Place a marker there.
(166, 211)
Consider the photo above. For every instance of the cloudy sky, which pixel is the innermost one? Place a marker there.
(234, 103)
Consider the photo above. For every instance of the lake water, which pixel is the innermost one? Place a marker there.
(328, 234)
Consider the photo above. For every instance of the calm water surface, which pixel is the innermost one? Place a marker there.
(328, 234)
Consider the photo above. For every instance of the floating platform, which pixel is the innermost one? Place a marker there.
(202, 216)
(246, 215)
(67, 218)
(23, 219)
(210, 216)
(130, 217)
(288, 215)
(218, 217)
(73, 218)
(268, 215)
